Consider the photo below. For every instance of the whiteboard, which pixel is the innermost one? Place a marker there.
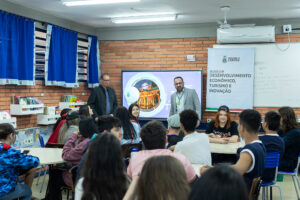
(276, 74)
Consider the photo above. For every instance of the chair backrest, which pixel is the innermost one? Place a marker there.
(126, 149)
(54, 145)
(255, 188)
(41, 139)
(272, 161)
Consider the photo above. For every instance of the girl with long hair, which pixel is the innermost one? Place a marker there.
(290, 131)
(131, 130)
(222, 129)
(103, 175)
(54, 136)
(163, 178)
(69, 127)
(134, 112)
(85, 111)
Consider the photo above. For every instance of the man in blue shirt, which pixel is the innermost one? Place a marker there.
(13, 163)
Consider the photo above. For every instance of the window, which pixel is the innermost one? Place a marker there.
(40, 51)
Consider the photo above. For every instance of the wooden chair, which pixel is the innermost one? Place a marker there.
(54, 145)
(126, 149)
(255, 188)
(71, 188)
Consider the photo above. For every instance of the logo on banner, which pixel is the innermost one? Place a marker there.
(224, 59)
(230, 59)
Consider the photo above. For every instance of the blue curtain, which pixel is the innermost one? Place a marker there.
(16, 50)
(93, 62)
(61, 57)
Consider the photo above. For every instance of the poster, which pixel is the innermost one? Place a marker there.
(230, 78)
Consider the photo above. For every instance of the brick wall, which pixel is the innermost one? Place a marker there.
(52, 96)
(163, 54)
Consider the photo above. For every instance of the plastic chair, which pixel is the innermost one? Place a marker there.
(295, 178)
(271, 162)
(45, 167)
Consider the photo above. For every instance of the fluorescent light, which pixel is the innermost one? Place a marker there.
(141, 19)
(94, 2)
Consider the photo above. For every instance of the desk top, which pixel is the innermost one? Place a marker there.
(230, 148)
(47, 156)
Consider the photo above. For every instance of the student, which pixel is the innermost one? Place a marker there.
(85, 111)
(13, 163)
(221, 182)
(106, 124)
(222, 127)
(252, 155)
(153, 135)
(194, 146)
(54, 136)
(291, 137)
(69, 127)
(174, 135)
(131, 131)
(272, 141)
(103, 174)
(134, 113)
(167, 177)
(72, 152)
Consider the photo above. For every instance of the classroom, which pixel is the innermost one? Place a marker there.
(148, 63)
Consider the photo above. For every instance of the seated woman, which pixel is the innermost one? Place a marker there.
(167, 177)
(131, 130)
(290, 132)
(103, 175)
(85, 111)
(69, 127)
(72, 152)
(222, 129)
(134, 113)
(221, 183)
(54, 136)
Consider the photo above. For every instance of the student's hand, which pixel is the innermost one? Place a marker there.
(76, 133)
(172, 147)
(96, 119)
(204, 168)
(224, 140)
(211, 135)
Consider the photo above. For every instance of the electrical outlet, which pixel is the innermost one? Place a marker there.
(287, 28)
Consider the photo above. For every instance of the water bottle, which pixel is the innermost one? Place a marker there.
(134, 150)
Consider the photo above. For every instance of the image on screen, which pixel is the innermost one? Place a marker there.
(152, 90)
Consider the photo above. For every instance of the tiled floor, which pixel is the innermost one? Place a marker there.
(287, 187)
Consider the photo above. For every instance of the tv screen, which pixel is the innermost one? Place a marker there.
(152, 90)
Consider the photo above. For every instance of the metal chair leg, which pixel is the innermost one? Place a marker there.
(44, 179)
(281, 197)
(295, 184)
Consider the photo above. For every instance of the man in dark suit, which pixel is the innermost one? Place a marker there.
(184, 98)
(103, 99)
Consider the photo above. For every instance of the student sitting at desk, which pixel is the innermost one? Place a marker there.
(252, 155)
(174, 133)
(272, 141)
(13, 163)
(291, 138)
(222, 127)
(154, 138)
(194, 146)
(72, 152)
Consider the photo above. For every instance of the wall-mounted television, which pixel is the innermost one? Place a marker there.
(152, 90)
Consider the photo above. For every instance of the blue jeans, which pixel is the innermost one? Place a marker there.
(21, 191)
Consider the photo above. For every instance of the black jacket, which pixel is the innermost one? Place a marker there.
(97, 101)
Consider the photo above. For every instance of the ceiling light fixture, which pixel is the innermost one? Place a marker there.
(95, 2)
(141, 19)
